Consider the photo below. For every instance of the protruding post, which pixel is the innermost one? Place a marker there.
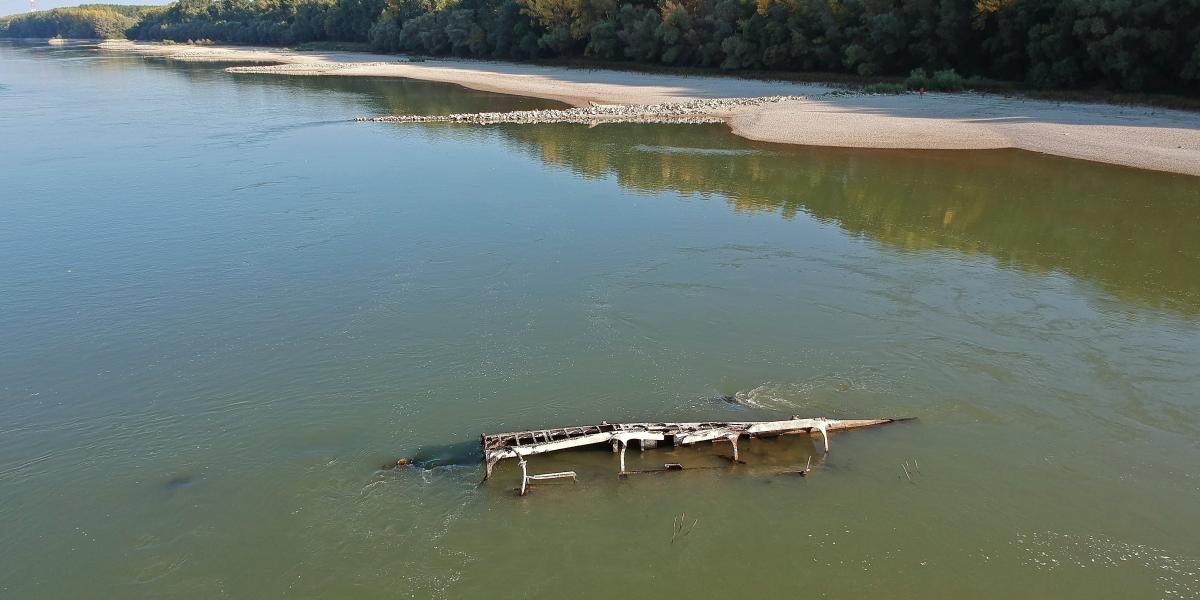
(622, 457)
(823, 425)
(524, 476)
(733, 439)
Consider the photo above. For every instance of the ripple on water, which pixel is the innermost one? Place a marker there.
(1177, 577)
(809, 393)
(400, 523)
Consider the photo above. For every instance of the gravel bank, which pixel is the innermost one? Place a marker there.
(695, 111)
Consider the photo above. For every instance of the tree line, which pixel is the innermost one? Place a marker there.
(96, 21)
(1134, 45)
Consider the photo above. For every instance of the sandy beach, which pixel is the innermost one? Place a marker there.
(1132, 136)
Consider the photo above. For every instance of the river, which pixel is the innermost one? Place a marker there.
(225, 305)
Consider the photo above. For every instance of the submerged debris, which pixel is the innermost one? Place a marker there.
(523, 444)
(177, 483)
(400, 462)
(681, 529)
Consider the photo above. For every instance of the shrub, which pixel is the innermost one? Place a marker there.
(917, 79)
(886, 88)
(948, 81)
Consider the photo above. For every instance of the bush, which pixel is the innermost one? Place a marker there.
(917, 79)
(947, 81)
(886, 88)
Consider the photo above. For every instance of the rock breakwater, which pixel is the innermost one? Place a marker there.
(708, 110)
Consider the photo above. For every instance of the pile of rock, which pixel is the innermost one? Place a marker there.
(708, 110)
(305, 68)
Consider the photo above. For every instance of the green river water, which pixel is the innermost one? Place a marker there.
(223, 306)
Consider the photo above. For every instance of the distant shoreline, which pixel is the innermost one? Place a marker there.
(1131, 136)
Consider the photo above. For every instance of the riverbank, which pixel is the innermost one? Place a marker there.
(1132, 136)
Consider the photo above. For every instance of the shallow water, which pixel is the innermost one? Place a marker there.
(224, 306)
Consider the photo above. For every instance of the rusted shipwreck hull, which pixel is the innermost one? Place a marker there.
(522, 444)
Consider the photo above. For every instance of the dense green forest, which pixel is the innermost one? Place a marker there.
(1135, 45)
(86, 21)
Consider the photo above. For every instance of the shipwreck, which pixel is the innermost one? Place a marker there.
(521, 445)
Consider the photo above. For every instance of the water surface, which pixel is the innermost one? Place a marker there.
(224, 306)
